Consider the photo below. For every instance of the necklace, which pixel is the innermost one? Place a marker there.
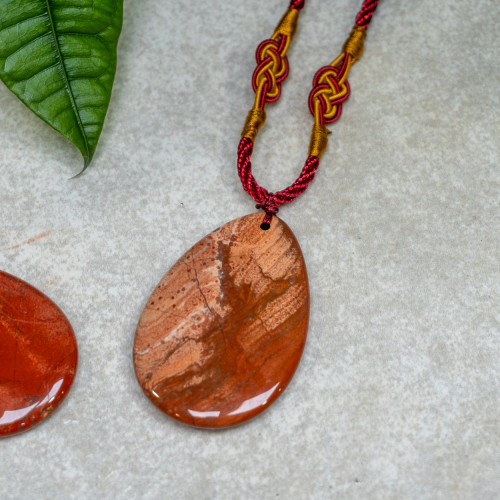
(38, 355)
(223, 332)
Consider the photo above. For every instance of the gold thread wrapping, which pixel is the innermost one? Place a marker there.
(354, 44)
(288, 24)
(319, 140)
(256, 117)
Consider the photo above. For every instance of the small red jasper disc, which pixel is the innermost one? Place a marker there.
(222, 334)
(38, 355)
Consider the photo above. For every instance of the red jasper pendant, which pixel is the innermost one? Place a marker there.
(38, 356)
(223, 332)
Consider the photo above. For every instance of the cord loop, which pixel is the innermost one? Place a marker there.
(330, 90)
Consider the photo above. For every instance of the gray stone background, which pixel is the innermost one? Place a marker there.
(397, 395)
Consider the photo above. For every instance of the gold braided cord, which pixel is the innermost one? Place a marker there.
(319, 140)
(287, 25)
(256, 117)
(317, 113)
(355, 43)
(338, 61)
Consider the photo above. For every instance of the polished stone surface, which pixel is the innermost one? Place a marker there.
(223, 332)
(38, 356)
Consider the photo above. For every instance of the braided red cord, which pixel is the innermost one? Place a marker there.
(365, 14)
(270, 202)
(297, 4)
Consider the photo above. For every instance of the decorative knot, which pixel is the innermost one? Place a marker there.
(272, 68)
(269, 204)
(331, 89)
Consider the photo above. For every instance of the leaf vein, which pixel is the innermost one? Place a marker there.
(44, 98)
(39, 72)
(66, 78)
(24, 45)
(93, 35)
(17, 23)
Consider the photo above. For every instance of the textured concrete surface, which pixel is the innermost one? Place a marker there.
(397, 395)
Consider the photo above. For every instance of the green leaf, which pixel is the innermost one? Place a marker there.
(59, 58)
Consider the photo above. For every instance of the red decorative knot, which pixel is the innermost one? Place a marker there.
(331, 88)
(272, 67)
(270, 207)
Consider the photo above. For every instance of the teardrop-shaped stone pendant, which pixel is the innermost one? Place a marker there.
(224, 330)
(38, 355)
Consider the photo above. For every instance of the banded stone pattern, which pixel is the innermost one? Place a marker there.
(223, 332)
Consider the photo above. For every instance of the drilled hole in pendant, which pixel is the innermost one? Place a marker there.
(265, 226)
